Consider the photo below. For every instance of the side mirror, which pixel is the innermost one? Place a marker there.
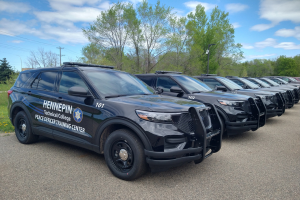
(221, 88)
(159, 90)
(78, 91)
(176, 89)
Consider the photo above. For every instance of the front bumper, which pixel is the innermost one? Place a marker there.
(277, 110)
(256, 118)
(203, 144)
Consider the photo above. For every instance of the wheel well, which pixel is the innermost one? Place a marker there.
(108, 130)
(14, 113)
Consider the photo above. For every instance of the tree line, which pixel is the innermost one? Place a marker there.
(149, 37)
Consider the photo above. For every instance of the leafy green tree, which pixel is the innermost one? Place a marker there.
(215, 30)
(155, 29)
(135, 35)
(286, 67)
(5, 70)
(92, 54)
(109, 32)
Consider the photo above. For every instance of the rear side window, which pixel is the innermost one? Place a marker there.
(147, 79)
(45, 81)
(212, 83)
(166, 83)
(70, 79)
(22, 78)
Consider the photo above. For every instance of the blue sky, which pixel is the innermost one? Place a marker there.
(265, 28)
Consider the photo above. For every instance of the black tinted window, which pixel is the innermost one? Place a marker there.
(22, 78)
(165, 83)
(147, 79)
(212, 83)
(45, 81)
(70, 79)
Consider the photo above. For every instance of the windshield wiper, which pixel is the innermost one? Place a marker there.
(196, 92)
(118, 95)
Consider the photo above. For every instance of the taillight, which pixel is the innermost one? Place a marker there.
(9, 92)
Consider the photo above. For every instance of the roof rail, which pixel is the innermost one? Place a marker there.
(86, 65)
(232, 77)
(167, 72)
(209, 74)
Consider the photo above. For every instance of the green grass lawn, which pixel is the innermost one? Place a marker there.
(5, 125)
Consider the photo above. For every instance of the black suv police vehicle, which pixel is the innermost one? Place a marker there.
(239, 113)
(115, 114)
(286, 94)
(277, 106)
(226, 85)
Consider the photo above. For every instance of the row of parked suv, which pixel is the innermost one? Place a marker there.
(158, 120)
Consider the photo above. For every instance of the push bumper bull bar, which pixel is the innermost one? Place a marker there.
(202, 141)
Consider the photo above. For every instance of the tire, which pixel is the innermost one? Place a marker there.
(125, 167)
(25, 136)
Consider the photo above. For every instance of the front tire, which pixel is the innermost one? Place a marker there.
(124, 155)
(23, 129)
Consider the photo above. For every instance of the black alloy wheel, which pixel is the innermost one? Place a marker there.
(23, 129)
(124, 154)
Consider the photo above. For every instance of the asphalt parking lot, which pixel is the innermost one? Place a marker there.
(264, 164)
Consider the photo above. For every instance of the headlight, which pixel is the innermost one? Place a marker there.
(155, 116)
(231, 103)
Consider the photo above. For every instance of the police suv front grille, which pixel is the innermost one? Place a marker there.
(184, 121)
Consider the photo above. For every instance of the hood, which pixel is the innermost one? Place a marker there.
(252, 92)
(222, 95)
(158, 103)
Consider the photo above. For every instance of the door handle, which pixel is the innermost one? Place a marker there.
(60, 99)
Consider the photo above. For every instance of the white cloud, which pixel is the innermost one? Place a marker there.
(70, 34)
(289, 32)
(262, 27)
(277, 11)
(192, 5)
(235, 7)
(247, 46)
(13, 7)
(287, 45)
(236, 25)
(17, 41)
(269, 42)
(66, 11)
(260, 56)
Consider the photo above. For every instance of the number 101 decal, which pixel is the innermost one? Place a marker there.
(99, 105)
(191, 97)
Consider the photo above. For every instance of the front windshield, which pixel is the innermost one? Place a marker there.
(292, 79)
(191, 84)
(230, 84)
(261, 82)
(252, 85)
(285, 82)
(114, 83)
(270, 81)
